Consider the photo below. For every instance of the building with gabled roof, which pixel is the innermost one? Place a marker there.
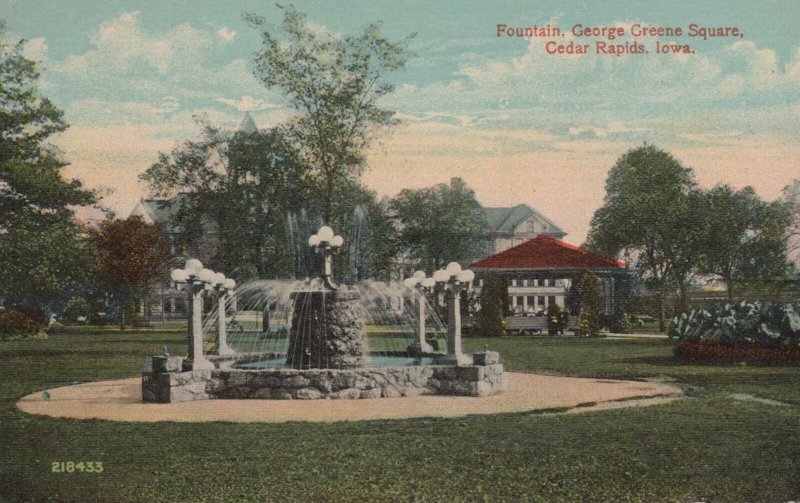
(509, 227)
(540, 271)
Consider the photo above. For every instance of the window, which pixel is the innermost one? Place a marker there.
(541, 300)
(531, 300)
(520, 300)
(551, 300)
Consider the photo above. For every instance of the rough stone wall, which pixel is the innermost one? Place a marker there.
(166, 382)
(327, 331)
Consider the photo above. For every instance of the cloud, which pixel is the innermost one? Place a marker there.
(247, 104)
(128, 63)
(35, 49)
(226, 34)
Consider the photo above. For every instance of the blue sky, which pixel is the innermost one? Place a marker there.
(521, 126)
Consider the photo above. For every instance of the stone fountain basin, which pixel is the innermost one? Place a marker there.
(164, 380)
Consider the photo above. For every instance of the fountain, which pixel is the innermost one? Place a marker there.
(306, 339)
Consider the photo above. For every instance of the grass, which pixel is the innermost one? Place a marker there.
(710, 448)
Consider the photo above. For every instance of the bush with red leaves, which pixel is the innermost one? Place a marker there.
(18, 325)
(705, 351)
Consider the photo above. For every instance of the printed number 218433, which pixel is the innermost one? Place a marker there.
(77, 466)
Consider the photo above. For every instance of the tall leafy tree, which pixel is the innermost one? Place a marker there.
(130, 255)
(440, 224)
(744, 238)
(245, 184)
(41, 246)
(334, 84)
(493, 307)
(590, 302)
(646, 219)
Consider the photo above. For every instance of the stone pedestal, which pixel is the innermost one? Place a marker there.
(326, 331)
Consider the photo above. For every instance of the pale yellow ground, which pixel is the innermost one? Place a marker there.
(121, 400)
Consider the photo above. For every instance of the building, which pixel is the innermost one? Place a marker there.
(540, 272)
(509, 227)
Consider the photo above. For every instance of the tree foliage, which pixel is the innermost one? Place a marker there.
(494, 307)
(646, 219)
(334, 83)
(130, 255)
(590, 300)
(41, 247)
(743, 238)
(245, 185)
(440, 224)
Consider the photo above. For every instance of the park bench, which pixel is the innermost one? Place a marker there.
(525, 325)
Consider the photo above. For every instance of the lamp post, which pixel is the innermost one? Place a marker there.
(421, 285)
(325, 242)
(195, 279)
(454, 280)
(223, 286)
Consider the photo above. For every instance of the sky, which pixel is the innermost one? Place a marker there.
(518, 124)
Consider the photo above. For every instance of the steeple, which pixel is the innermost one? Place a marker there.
(247, 125)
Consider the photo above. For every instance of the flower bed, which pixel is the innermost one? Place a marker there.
(707, 351)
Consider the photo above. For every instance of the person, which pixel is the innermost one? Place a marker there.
(563, 321)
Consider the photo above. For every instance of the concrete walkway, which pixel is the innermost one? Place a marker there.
(121, 401)
(640, 336)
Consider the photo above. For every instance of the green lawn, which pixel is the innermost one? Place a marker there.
(708, 448)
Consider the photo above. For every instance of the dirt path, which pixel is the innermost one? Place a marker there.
(120, 400)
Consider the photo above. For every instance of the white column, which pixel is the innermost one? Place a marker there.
(199, 361)
(454, 354)
(222, 335)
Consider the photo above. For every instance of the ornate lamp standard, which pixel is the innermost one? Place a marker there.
(195, 279)
(326, 243)
(454, 280)
(422, 286)
(224, 286)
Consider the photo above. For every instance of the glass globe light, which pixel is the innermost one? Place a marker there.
(219, 278)
(410, 282)
(419, 274)
(193, 266)
(428, 282)
(441, 276)
(230, 283)
(179, 275)
(206, 275)
(453, 268)
(325, 233)
(337, 241)
(313, 240)
(466, 276)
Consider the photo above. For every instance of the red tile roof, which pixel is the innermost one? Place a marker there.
(545, 252)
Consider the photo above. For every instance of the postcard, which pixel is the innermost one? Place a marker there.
(399, 251)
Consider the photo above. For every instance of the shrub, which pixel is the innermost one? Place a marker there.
(56, 328)
(494, 307)
(590, 301)
(752, 322)
(16, 325)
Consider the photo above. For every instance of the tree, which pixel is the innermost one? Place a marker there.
(646, 219)
(494, 307)
(130, 256)
(334, 83)
(743, 238)
(791, 197)
(590, 301)
(42, 247)
(247, 185)
(440, 224)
